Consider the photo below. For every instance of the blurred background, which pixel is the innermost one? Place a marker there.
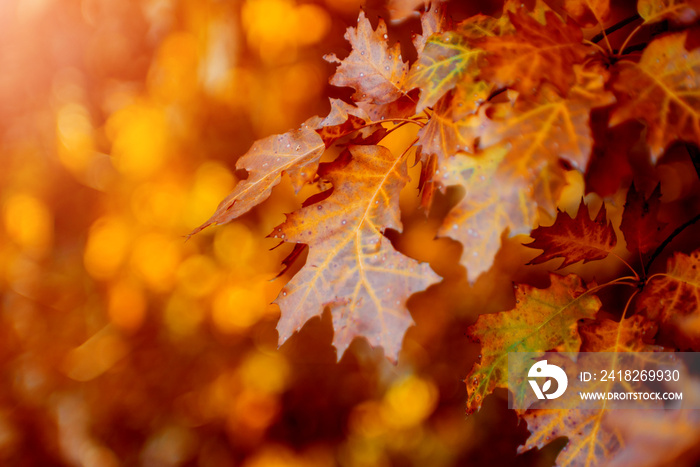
(123, 344)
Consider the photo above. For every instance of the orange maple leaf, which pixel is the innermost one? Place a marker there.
(544, 127)
(432, 21)
(453, 126)
(574, 239)
(351, 267)
(484, 212)
(295, 153)
(670, 297)
(535, 53)
(375, 70)
(663, 90)
(591, 441)
(677, 11)
(588, 12)
(542, 320)
(449, 58)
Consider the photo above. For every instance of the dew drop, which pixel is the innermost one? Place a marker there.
(386, 36)
(319, 207)
(362, 75)
(344, 222)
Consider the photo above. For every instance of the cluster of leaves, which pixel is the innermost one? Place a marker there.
(504, 107)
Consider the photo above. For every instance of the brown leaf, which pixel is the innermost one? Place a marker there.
(453, 126)
(535, 53)
(663, 90)
(375, 70)
(543, 320)
(591, 441)
(351, 267)
(295, 153)
(449, 58)
(432, 22)
(340, 112)
(673, 296)
(331, 134)
(676, 11)
(544, 127)
(588, 12)
(639, 220)
(577, 239)
(607, 335)
(485, 212)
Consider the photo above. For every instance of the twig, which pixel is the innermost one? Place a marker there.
(673, 235)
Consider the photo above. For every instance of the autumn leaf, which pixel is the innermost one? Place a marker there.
(663, 90)
(671, 297)
(607, 335)
(542, 320)
(375, 70)
(484, 213)
(545, 127)
(340, 113)
(351, 267)
(591, 442)
(659, 437)
(295, 153)
(447, 59)
(432, 21)
(639, 220)
(588, 12)
(453, 125)
(331, 134)
(534, 54)
(574, 239)
(677, 11)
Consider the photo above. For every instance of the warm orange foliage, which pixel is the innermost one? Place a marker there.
(391, 223)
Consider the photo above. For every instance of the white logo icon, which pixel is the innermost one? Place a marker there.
(542, 370)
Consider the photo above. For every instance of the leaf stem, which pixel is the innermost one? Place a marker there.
(602, 50)
(397, 120)
(619, 280)
(626, 264)
(622, 318)
(668, 240)
(624, 44)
